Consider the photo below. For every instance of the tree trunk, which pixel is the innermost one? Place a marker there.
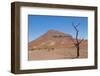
(78, 51)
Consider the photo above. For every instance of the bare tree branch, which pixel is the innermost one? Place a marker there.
(77, 31)
(81, 41)
(75, 27)
(73, 41)
(77, 24)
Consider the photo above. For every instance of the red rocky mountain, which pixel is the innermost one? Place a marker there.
(54, 39)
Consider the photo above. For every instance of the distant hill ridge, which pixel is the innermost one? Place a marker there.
(54, 39)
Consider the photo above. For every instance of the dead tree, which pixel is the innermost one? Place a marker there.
(77, 42)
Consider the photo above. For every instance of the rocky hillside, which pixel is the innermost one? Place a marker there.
(54, 39)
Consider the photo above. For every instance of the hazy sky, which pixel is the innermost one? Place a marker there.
(40, 24)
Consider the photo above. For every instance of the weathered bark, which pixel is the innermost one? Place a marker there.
(78, 48)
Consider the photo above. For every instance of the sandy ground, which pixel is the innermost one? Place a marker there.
(57, 53)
